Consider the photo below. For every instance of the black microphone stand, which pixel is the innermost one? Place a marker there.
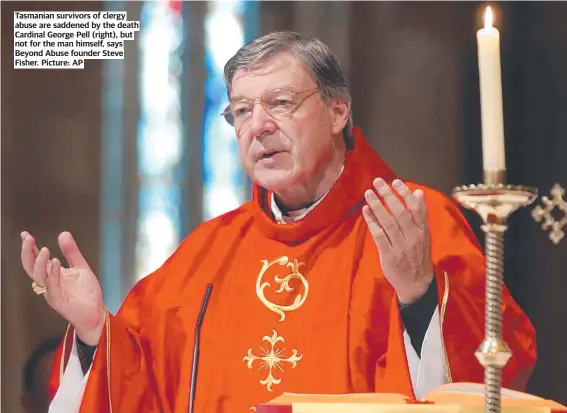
(196, 346)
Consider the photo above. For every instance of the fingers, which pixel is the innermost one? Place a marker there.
(380, 238)
(29, 253)
(397, 220)
(53, 281)
(415, 204)
(397, 210)
(39, 272)
(387, 220)
(420, 212)
(24, 234)
(71, 251)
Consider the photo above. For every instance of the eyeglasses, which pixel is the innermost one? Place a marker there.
(277, 103)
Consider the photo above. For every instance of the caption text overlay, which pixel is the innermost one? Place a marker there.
(65, 40)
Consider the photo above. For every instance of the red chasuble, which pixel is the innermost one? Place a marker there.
(294, 308)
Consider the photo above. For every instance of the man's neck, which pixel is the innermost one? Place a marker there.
(297, 199)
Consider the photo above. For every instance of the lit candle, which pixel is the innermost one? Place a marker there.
(492, 118)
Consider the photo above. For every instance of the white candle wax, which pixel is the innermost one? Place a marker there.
(488, 39)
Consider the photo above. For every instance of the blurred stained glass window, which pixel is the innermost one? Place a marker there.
(160, 134)
(227, 27)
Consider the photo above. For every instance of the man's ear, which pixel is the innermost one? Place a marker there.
(340, 113)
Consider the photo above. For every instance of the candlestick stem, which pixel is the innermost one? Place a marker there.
(494, 202)
(493, 353)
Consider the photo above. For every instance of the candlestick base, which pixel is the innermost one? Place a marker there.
(494, 203)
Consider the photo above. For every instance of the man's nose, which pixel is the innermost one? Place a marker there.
(261, 123)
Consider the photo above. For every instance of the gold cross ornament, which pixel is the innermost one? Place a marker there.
(543, 215)
(272, 359)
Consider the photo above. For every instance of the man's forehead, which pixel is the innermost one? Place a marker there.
(282, 71)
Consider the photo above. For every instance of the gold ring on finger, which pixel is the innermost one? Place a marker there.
(38, 289)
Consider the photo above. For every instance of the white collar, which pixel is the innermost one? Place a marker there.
(296, 215)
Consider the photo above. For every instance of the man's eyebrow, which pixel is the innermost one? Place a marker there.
(236, 97)
(288, 88)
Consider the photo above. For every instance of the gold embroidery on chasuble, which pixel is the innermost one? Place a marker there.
(294, 274)
(273, 358)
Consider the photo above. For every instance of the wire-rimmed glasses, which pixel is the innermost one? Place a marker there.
(279, 103)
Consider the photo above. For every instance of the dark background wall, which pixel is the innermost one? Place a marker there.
(414, 80)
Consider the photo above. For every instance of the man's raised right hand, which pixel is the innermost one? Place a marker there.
(73, 292)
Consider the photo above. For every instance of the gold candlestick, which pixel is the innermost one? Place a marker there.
(494, 201)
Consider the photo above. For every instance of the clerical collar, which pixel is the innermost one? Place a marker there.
(294, 216)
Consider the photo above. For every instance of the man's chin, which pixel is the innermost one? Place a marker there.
(273, 180)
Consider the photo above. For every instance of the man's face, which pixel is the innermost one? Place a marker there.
(297, 145)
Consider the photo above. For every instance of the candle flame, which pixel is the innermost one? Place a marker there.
(488, 18)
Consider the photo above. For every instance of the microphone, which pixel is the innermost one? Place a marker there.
(196, 345)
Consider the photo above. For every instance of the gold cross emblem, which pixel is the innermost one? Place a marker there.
(272, 359)
(544, 214)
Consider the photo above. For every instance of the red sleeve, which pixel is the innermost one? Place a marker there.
(119, 374)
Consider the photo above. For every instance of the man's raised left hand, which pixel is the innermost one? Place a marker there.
(402, 237)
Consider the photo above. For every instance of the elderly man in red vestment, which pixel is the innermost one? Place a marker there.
(337, 277)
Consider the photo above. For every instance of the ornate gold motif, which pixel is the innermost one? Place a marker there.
(271, 359)
(442, 321)
(284, 285)
(544, 214)
(63, 353)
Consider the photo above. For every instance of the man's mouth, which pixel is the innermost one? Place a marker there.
(269, 154)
